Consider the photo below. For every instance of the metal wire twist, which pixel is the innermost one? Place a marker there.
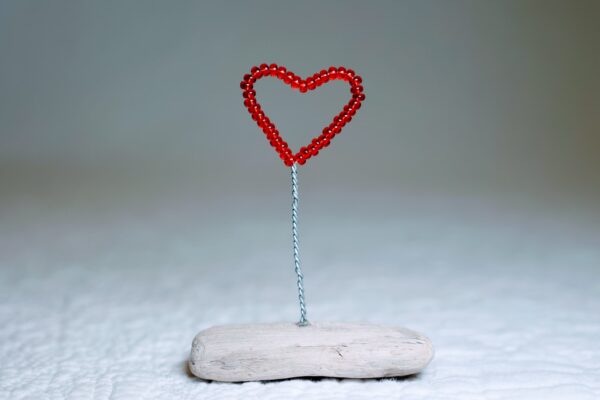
(303, 321)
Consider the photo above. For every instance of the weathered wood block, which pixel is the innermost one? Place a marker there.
(256, 352)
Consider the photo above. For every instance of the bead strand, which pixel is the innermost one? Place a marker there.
(303, 85)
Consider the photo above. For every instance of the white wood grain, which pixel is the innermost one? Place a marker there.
(256, 352)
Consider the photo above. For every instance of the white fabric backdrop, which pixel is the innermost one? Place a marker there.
(101, 296)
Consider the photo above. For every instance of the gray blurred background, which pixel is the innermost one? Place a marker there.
(466, 96)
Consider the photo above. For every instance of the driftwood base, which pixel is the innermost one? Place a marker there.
(257, 352)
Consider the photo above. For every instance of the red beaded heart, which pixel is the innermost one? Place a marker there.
(304, 85)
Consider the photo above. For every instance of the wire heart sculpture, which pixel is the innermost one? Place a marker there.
(303, 85)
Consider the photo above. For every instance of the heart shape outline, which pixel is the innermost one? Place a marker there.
(303, 85)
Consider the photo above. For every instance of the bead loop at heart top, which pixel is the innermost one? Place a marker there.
(303, 85)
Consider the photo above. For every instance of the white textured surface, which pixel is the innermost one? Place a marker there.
(100, 299)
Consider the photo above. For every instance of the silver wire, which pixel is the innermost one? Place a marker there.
(303, 321)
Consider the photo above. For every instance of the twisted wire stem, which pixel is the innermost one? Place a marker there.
(303, 321)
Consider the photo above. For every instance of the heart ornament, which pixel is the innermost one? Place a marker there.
(312, 349)
(303, 85)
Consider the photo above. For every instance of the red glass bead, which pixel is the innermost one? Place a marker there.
(296, 82)
(359, 96)
(289, 77)
(301, 160)
(249, 94)
(355, 103)
(325, 142)
(350, 73)
(264, 67)
(273, 69)
(281, 71)
(310, 82)
(324, 76)
(314, 151)
(356, 89)
(357, 79)
(303, 87)
(254, 70)
(342, 119)
(247, 77)
(317, 79)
